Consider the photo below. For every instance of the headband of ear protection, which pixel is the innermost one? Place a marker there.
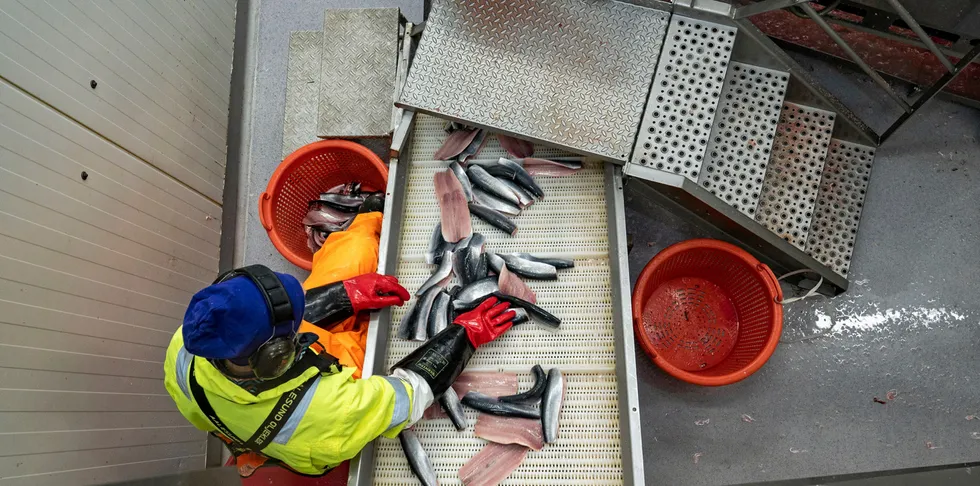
(274, 357)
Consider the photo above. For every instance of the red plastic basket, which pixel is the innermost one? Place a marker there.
(707, 312)
(301, 177)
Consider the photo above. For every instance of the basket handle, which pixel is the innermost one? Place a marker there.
(265, 210)
(812, 292)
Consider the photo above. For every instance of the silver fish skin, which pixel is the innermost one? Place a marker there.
(442, 274)
(529, 269)
(493, 202)
(533, 395)
(437, 245)
(421, 321)
(496, 263)
(520, 315)
(406, 328)
(554, 394)
(524, 199)
(491, 405)
(476, 290)
(474, 146)
(494, 218)
(478, 241)
(492, 185)
(342, 202)
(418, 460)
(463, 179)
(559, 263)
(454, 409)
(469, 265)
(438, 315)
(508, 169)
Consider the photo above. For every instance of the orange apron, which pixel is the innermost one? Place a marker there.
(344, 255)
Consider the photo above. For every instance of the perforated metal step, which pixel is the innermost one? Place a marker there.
(681, 107)
(572, 222)
(789, 191)
(843, 186)
(742, 136)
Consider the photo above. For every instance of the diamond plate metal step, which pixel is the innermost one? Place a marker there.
(789, 191)
(843, 186)
(302, 90)
(742, 136)
(568, 73)
(677, 121)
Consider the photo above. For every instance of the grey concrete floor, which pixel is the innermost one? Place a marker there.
(910, 324)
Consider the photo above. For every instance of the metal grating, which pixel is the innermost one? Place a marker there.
(570, 222)
(789, 191)
(302, 90)
(741, 139)
(846, 173)
(572, 73)
(357, 72)
(679, 113)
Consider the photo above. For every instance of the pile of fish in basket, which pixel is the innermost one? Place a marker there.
(493, 191)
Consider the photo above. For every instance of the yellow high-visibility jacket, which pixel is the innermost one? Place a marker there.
(333, 421)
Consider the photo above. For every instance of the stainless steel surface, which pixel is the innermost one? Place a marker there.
(789, 191)
(629, 407)
(357, 72)
(764, 6)
(923, 36)
(933, 90)
(742, 135)
(568, 73)
(299, 119)
(405, 46)
(679, 193)
(843, 185)
(714, 7)
(678, 117)
(849, 51)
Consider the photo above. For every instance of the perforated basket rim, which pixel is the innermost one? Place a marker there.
(274, 188)
(772, 288)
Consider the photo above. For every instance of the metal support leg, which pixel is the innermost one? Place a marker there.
(934, 90)
(880, 81)
(907, 17)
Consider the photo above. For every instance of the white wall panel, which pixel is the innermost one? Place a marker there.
(96, 272)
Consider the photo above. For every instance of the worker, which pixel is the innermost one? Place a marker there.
(270, 366)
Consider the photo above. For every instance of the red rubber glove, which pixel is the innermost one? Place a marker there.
(487, 322)
(374, 291)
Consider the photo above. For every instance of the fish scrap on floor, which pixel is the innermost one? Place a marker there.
(418, 460)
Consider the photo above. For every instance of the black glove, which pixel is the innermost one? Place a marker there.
(372, 203)
(327, 305)
(441, 359)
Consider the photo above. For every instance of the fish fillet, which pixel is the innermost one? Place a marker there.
(511, 284)
(515, 146)
(545, 167)
(453, 210)
(486, 382)
(492, 464)
(455, 144)
(510, 430)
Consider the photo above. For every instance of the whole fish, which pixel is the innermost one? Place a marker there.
(421, 319)
(418, 460)
(487, 404)
(492, 185)
(454, 408)
(342, 202)
(496, 263)
(494, 218)
(441, 276)
(493, 202)
(463, 180)
(438, 315)
(537, 314)
(508, 169)
(554, 395)
(474, 147)
(559, 263)
(533, 395)
(475, 291)
(523, 198)
(528, 268)
(437, 246)
(469, 265)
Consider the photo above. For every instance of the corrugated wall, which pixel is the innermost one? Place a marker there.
(113, 126)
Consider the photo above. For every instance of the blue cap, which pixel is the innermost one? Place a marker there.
(230, 319)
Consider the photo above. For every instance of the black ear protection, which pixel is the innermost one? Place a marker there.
(273, 358)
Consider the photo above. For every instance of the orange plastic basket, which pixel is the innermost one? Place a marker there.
(301, 177)
(707, 312)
